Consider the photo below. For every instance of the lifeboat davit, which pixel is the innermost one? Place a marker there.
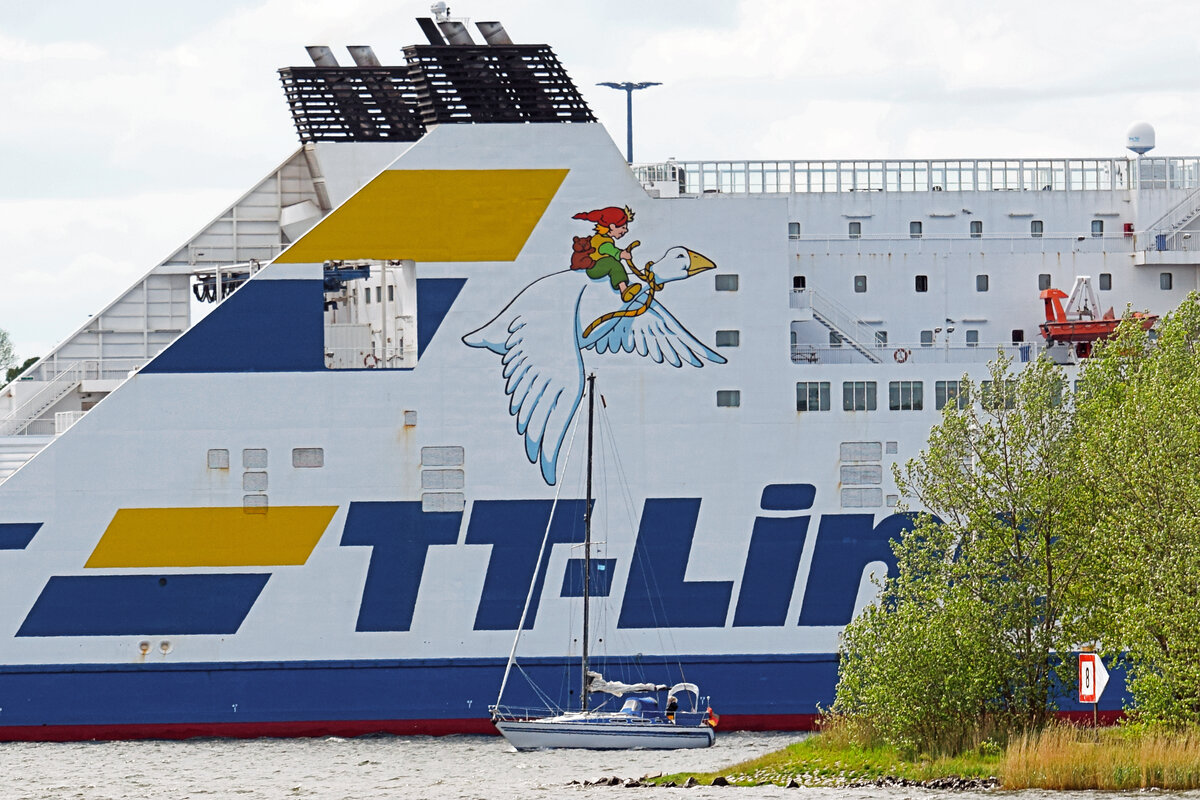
(1077, 323)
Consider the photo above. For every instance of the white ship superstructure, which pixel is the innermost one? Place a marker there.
(318, 508)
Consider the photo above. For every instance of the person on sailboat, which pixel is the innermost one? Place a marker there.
(672, 707)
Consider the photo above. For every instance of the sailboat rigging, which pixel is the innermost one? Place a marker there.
(638, 723)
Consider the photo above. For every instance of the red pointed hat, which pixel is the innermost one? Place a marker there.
(607, 217)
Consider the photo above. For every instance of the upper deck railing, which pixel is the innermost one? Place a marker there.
(972, 175)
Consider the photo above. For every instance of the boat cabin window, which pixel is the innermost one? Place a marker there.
(994, 397)
(981, 283)
(1035, 229)
(834, 340)
(973, 338)
(1097, 227)
(922, 283)
(949, 392)
(914, 229)
(855, 230)
(793, 230)
(727, 283)
(1105, 281)
(926, 338)
(1018, 336)
(976, 228)
(1043, 281)
(812, 396)
(799, 282)
(858, 396)
(860, 283)
(906, 395)
(1164, 280)
(729, 338)
(881, 338)
(728, 398)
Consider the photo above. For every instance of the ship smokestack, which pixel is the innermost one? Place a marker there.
(363, 55)
(455, 32)
(321, 55)
(493, 33)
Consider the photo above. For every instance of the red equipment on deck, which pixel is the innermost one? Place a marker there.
(1077, 323)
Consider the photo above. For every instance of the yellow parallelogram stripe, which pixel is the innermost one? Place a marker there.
(211, 537)
(433, 215)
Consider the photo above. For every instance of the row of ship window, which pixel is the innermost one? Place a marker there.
(902, 395)
(1166, 282)
(916, 229)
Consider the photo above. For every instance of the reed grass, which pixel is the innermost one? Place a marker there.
(1067, 757)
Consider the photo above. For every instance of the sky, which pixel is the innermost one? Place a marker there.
(128, 125)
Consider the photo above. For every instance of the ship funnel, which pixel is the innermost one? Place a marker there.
(455, 32)
(321, 55)
(430, 29)
(493, 33)
(363, 55)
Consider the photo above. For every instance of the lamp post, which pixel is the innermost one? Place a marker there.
(629, 88)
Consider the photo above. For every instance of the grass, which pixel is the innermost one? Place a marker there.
(1060, 757)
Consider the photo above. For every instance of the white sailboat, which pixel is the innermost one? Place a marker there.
(639, 723)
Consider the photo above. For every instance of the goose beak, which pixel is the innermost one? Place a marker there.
(698, 263)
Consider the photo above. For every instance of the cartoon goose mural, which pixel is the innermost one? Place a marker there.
(542, 333)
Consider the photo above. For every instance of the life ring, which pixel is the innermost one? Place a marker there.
(901, 354)
(370, 361)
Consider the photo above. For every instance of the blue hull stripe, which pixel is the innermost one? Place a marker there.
(143, 605)
(17, 535)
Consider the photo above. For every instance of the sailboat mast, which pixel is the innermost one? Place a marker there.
(587, 539)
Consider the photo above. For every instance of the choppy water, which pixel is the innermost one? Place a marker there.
(452, 767)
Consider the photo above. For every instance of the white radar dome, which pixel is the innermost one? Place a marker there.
(1140, 138)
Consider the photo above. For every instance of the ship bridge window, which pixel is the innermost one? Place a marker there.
(860, 283)
(793, 230)
(855, 230)
(1043, 281)
(981, 283)
(727, 283)
(729, 398)
(1105, 281)
(906, 396)
(366, 325)
(914, 229)
(812, 396)
(858, 396)
(1097, 227)
(1035, 228)
(976, 228)
(973, 338)
(1165, 280)
(953, 392)
(729, 338)
(922, 283)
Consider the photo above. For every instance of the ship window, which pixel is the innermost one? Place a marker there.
(1105, 281)
(1097, 227)
(906, 396)
(254, 459)
(254, 503)
(976, 228)
(378, 294)
(881, 338)
(442, 479)
(922, 283)
(991, 398)
(860, 451)
(891, 448)
(926, 338)
(308, 457)
(255, 481)
(367, 292)
(391, 293)
(728, 338)
(862, 498)
(1043, 281)
(949, 392)
(218, 459)
(727, 283)
(793, 338)
(443, 501)
(861, 474)
(855, 230)
(1018, 336)
(442, 456)
(973, 338)
(728, 398)
(1164, 280)
(793, 230)
(812, 396)
(892, 500)
(858, 396)
(860, 283)
(981, 283)
(1035, 228)
(914, 229)
(835, 340)
(799, 282)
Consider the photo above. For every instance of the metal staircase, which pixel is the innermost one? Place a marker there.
(1172, 224)
(65, 382)
(857, 334)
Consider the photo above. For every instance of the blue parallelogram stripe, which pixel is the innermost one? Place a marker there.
(115, 605)
(17, 535)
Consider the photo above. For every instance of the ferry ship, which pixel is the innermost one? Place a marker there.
(317, 508)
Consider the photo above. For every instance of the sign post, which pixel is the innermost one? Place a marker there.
(1093, 677)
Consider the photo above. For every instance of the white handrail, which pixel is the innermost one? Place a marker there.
(45, 397)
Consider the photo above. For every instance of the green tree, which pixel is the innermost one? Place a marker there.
(6, 350)
(1139, 419)
(13, 372)
(961, 646)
